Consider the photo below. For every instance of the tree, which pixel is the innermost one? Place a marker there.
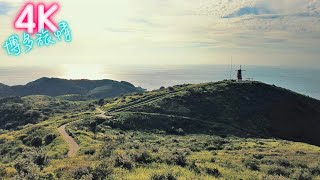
(101, 102)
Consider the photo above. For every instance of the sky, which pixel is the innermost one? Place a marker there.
(160, 32)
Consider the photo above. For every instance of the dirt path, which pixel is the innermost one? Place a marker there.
(102, 114)
(140, 103)
(73, 146)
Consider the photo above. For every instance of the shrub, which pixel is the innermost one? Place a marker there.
(49, 138)
(36, 141)
(258, 156)
(315, 169)
(80, 172)
(144, 157)
(2, 140)
(2, 171)
(101, 102)
(108, 149)
(26, 169)
(33, 114)
(170, 88)
(8, 172)
(93, 126)
(165, 176)
(123, 161)
(102, 172)
(47, 177)
(213, 172)
(276, 170)
(267, 161)
(89, 151)
(284, 163)
(178, 158)
(40, 159)
(193, 166)
(252, 165)
(302, 175)
(302, 165)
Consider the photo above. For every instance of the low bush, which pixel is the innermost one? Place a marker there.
(178, 158)
(89, 151)
(302, 175)
(284, 163)
(276, 170)
(258, 156)
(145, 157)
(213, 172)
(193, 166)
(80, 172)
(252, 165)
(171, 88)
(49, 138)
(103, 171)
(164, 176)
(315, 169)
(36, 141)
(26, 169)
(2, 171)
(123, 161)
(40, 159)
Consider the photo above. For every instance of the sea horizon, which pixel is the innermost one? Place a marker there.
(301, 80)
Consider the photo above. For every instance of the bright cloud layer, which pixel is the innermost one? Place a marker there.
(180, 32)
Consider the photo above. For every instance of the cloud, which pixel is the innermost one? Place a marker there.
(249, 11)
(290, 6)
(282, 5)
(176, 31)
(4, 8)
(277, 8)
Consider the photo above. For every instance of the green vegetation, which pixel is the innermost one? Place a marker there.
(222, 108)
(17, 111)
(205, 131)
(71, 89)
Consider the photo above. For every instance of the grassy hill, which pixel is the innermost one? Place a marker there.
(59, 87)
(19, 111)
(221, 130)
(223, 108)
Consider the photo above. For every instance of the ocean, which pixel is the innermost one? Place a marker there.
(301, 80)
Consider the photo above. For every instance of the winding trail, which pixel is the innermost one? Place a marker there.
(73, 146)
(102, 114)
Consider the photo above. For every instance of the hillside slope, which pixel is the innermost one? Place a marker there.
(182, 132)
(58, 87)
(223, 108)
(19, 111)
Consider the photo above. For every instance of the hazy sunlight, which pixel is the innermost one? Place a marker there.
(83, 71)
